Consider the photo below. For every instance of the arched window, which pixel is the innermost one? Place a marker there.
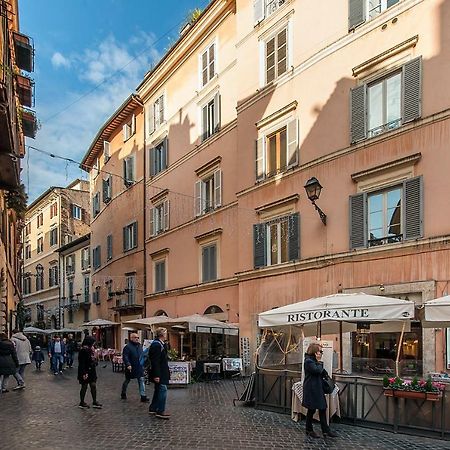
(214, 309)
(161, 312)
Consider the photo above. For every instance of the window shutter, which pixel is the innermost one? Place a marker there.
(125, 179)
(294, 236)
(217, 188)
(150, 120)
(152, 221)
(166, 215)
(105, 190)
(109, 246)
(162, 111)
(124, 132)
(135, 234)
(358, 113)
(413, 201)
(205, 263)
(259, 245)
(106, 153)
(292, 143)
(131, 174)
(412, 90)
(162, 276)
(110, 182)
(133, 124)
(358, 221)
(356, 13)
(258, 11)
(198, 198)
(204, 122)
(152, 161)
(164, 153)
(125, 239)
(260, 159)
(216, 112)
(213, 262)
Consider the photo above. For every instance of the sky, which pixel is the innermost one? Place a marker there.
(89, 56)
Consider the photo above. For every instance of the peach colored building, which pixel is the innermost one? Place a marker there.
(115, 162)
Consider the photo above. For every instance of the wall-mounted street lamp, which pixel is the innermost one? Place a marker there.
(313, 189)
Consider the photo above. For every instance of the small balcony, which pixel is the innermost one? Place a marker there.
(29, 123)
(24, 50)
(25, 90)
(125, 306)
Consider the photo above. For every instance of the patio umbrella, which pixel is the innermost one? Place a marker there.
(197, 323)
(34, 330)
(100, 323)
(437, 313)
(146, 322)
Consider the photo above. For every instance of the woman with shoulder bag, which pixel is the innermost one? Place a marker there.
(313, 390)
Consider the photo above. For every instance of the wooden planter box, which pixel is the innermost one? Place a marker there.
(432, 396)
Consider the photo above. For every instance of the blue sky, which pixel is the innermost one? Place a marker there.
(78, 47)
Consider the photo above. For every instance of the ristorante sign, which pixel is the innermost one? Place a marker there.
(329, 314)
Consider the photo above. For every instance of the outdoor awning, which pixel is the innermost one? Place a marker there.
(34, 330)
(196, 323)
(437, 313)
(100, 323)
(350, 308)
(145, 322)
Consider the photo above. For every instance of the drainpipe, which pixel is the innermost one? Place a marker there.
(145, 215)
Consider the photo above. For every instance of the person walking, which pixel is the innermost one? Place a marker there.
(131, 356)
(159, 374)
(56, 352)
(8, 361)
(87, 373)
(71, 346)
(313, 393)
(24, 351)
(38, 357)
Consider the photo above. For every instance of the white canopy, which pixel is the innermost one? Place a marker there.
(146, 322)
(437, 313)
(100, 323)
(351, 308)
(34, 330)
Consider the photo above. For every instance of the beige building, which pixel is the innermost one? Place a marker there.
(115, 162)
(59, 216)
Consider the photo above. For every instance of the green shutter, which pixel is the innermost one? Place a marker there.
(259, 245)
(413, 209)
(356, 14)
(294, 236)
(358, 220)
(358, 113)
(412, 90)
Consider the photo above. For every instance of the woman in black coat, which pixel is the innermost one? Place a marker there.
(87, 374)
(313, 394)
(8, 361)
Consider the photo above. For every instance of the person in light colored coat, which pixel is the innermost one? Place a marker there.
(24, 351)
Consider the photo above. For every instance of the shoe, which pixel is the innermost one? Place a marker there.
(152, 413)
(18, 387)
(163, 415)
(83, 406)
(4, 391)
(97, 405)
(144, 399)
(56, 373)
(61, 372)
(312, 434)
(330, 434)
(123, 396)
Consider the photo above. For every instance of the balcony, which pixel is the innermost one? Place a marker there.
(29, 123)
(127, 306)
(24, 51)
(25, 90)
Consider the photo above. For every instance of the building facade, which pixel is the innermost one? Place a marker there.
(115, 162)
(16, 121)
(59, 216)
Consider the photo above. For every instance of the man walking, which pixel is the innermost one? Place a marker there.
(159, 374)
(131, 356)
(71, 346)
(56, 352)
(23, 351)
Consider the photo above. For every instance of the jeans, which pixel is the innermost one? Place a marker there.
(3, 382)
(322, 417)
(69, 359)
(141, 382)
(19, 375)
(158, 403)
(57, 362)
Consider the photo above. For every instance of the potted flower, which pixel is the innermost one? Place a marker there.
(415, 388)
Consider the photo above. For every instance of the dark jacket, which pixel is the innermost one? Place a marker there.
(313, 395)
(38, 356)
(71, 346)
(8, 358)
(86, 365)
(159, 362)
(51, 348)
(130, 355)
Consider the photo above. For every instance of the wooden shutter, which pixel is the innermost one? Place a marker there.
(212, 262)
(358, 221)
(125, 132)
(109, 246)
(217, 188)
(294, 236)
(125, 239)
(356, 13)
(198, 198)
(110, 184)
(135, 234)
(358, 113)
(413, 201)
(216, 112)
(258, 10)
(150, 119)
(259, 245)
(162, 276)
(205, 265)
(412, 90)
(152, 161)
(164, 163)
(166, 215)
(152, 221)
(260, 144)
(132, 169)
(133, 124)
(105, 190)
(205, 122)
(106, 150)
(292, 143)
(161, 109)
(125, 180)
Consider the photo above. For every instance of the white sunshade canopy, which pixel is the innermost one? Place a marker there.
(34, 330)
(350, 308)
(100, 323)
(437, 313)
(145, 322)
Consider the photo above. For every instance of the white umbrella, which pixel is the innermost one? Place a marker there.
(437, 313)
(203, 324)
(100, 323)
(146, 322)
(34, 330)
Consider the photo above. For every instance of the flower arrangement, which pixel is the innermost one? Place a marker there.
(414, 385)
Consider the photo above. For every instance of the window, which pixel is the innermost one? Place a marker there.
(70, 265)
(211, 117)
(96, 168)
(96, 296)
(129, 128)
(77, 212)
(40, 245)
(131, 289)
(208, 193)
(27, 285)
(264, 8)
(96, 257)
(273, 5)
(278, 151)
(159, 218)
(386, 103)
(86, 290)
(276, 241)
(156, 114)
(128, 171)
(364, 10)
(70, 290)
(387, 216)
(53, 276)
(276, 56)
(106, 152)
(85, 258)
(39, 277)
(107, 189)
(160, 276)
(158, 158)
(28, 229)
(96, 204)
(109, 287)
(130, 237)
(208, 67)
(53, 210)
(53, 237)
(109, 247)
(40, 220)
(209, 263)
(27, 251)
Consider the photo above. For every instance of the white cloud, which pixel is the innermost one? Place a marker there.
(59, 60)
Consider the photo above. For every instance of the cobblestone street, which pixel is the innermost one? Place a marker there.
(45, 416)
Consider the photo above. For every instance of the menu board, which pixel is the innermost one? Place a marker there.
(180, 372)
(232, 364)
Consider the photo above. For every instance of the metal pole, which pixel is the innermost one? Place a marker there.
(341, 353)
(400, 343)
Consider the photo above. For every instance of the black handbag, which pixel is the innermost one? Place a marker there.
(328, 385)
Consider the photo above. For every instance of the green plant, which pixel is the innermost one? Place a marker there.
(416, 384)
(17, 200)
(172, 354)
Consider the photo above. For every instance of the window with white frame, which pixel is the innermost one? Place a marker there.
(53, 210)
(85, 258)
(265, 8)
(107, 189)
(208, 64)
(53, 275)
(70, 265)
(109, 247)
(53, 236)
(130, 237)
(209, 262)
(156, 114)
(208, 193)
(106, 151)
(40, 220)
(211, 117)
(130, 289)
(129, 128)
(159, 218)
(158, 157)
(77, 212)
(160, 275)
(276, 55)
(361, 11)
(128, 171)
(40, 245)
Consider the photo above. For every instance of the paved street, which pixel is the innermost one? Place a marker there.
(45, 416)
